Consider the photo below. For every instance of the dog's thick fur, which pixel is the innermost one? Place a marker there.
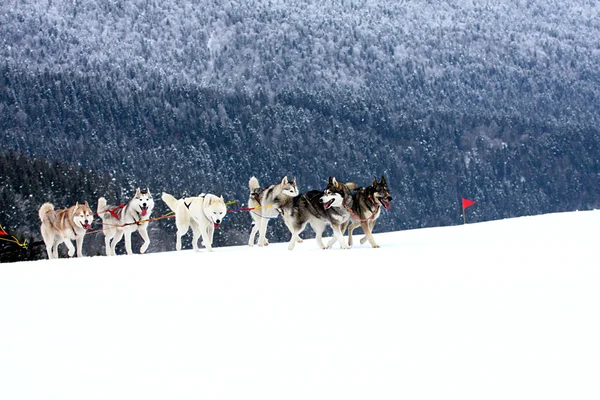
(119, 221)
(203, 214)
(366, 208)
(265, 203)
(62, 226)
(319, 209)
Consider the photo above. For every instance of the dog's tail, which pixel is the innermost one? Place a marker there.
(45, 209)
(169, 200)
(253, 185)
(101, 207)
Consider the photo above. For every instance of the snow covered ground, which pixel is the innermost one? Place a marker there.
(498, 310)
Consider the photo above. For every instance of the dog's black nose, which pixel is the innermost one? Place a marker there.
(218, 221)
(389, 198)
(144, 205)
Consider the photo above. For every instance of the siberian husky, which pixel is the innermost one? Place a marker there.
(62, 226)
(366, 208)
(203, 214)
(123, 220)
(264, 204)
(319, 209)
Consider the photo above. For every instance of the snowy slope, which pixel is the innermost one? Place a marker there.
(498, 310)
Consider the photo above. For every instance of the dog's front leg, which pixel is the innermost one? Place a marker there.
(70, 246)
(128, 242)
(206, 239)
(79, 242)
(143, 230)
(196, 233)
(371, 224)
(337, 235)
(368, 235)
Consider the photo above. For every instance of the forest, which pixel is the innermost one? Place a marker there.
(493, 101)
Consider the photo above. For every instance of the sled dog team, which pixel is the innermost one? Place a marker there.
(340, 205)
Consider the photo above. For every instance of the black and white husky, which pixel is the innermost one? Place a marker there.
(319, 209)
(366, 208)
(123, 220)
(264, 205)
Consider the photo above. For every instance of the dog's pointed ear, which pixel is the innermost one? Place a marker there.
(331, 178)
(222, 199)
(284, 181)
(375, 181)
(137, 191)
(337, 184)
(148, 191)
(87, 205)
(383, 182)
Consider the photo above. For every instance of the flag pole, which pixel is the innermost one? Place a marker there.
(464, 216)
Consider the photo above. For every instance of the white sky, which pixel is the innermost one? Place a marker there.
(498, 310)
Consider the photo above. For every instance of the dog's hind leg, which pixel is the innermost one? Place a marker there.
(253, 232)
(50, 248)
(54, 247)
(116, 239)
(262, 233)
(144, 234)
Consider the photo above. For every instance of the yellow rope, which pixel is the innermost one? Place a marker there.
(12, 239)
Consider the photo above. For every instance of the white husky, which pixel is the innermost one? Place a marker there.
(62, 226)
(123, 220)
(203, 214)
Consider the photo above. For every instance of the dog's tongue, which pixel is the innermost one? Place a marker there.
(144, 211)
(386, 204)
(215, 225)
(328, 204)
(86, 226)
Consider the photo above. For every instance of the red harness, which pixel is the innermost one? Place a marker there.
(116, 212)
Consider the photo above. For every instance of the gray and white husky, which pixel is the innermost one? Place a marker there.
(202, 213)
(264, 204)
(319, 209)
(123, 220)
(366, 208)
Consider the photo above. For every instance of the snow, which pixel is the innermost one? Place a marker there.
(506, 309)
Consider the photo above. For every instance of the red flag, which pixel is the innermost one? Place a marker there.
(2, 231)
(467, 203)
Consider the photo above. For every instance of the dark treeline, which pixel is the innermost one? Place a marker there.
(498, 104)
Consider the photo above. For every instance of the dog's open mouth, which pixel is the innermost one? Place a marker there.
(216, 225)
(385, 203)
(86, 226)
(328, 204)
(144, 211)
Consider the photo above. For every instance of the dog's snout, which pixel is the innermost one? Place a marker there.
(218, 221)
(144, 205)
(389, 198)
